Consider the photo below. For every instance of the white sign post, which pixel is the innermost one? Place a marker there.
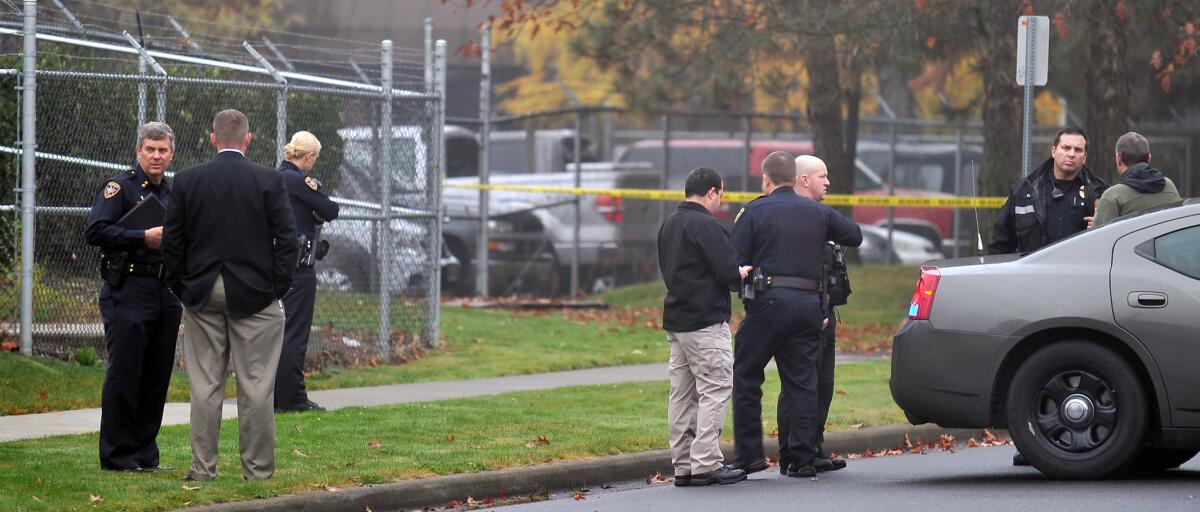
(1033, 60)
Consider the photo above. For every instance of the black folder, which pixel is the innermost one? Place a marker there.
(147, 214)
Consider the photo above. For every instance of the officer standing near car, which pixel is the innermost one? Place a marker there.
(1055, 201)
(812, 181)
(141, 316)
(312, 208)
(782, 237)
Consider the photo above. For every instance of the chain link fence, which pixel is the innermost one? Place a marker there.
(381, 160)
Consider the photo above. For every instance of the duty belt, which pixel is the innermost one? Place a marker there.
(155, 270)
(799, 283)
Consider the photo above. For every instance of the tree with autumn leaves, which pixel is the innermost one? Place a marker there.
(1112, 60)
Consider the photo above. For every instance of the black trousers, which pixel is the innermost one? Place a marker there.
(825, 372)
(785, 324)
(141, 324)
(298, 306)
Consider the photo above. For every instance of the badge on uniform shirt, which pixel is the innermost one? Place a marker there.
(739, 215)
(112, 189)
(312, 183)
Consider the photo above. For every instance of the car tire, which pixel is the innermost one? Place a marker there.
(1077, 410)
(1157, 458)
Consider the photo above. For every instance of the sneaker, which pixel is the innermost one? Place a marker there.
(683, 480)
(722, 476)
(783, 465)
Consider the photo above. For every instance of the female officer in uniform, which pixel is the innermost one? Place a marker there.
(311, 208)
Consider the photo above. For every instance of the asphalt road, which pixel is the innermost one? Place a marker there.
(970, 479)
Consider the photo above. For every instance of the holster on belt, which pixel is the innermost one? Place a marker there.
(112, 268)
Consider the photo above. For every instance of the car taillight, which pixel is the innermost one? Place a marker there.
(610, 208)
(922, 299)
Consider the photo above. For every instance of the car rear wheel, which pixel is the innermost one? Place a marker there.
(1077, 410)
(1158, 458)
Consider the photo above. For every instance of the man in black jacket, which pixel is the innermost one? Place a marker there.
(700, 269)
(229, 244)
(1053, 202)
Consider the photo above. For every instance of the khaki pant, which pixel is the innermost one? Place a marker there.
(211, 341)
(701, 369)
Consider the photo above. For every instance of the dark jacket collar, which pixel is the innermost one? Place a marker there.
(1045, 173)
(286, 165)
(783, 191)
(689, 205)
(1143, 178)
(230, 153)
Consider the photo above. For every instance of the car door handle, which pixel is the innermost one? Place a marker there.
(1147, 299)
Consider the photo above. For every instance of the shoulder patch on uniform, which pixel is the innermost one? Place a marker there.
(739, 215)
(112, 189)
(312, 183)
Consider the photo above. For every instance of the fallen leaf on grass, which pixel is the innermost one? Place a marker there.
(331, 489)
(856, 426)
(839, 392)
(297, 429)
(298, 453)
(43, 396)
(375, 443)
(450, 438)
(37, 499)
(186, 488)
(93, 498)
(540, 440)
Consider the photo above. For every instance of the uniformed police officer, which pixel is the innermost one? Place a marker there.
(781, 236)
(312, 208)
(141, 316)
(812, 181)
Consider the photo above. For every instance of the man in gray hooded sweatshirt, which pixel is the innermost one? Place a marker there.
(1138, 187)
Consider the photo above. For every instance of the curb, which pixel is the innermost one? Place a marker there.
(437, 491)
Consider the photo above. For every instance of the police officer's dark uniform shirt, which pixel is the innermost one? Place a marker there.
(141, 322)
(1065, 209)
(119, 195)
(778, 233)
(308, 203)
(311, 207)
(699, 268)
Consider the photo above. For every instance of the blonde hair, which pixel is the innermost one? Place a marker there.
(301, 145)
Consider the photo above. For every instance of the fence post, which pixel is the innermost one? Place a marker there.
(385, 203)
(665, 172)
(433, 338)
(141, 88)
(430, 73)
(577, 204)
(281, 107)
(748, 125)
(28, 186)
(891, 177)
(160, 87)
(485, 135)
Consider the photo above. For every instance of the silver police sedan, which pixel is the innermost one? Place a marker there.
(1087, 350)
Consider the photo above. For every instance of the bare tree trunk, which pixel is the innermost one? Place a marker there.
(825, 110)
(997, 23)
(1107, 87)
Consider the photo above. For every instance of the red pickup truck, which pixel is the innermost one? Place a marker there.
(921, 170)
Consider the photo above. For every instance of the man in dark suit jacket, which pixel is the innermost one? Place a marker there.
(229, 244)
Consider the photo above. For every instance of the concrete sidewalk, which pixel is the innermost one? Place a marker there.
(82, 421)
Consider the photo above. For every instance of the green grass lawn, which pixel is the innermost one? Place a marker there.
(489, 343)
(319, 451)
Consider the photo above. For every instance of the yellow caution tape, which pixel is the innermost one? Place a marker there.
(743, 197)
